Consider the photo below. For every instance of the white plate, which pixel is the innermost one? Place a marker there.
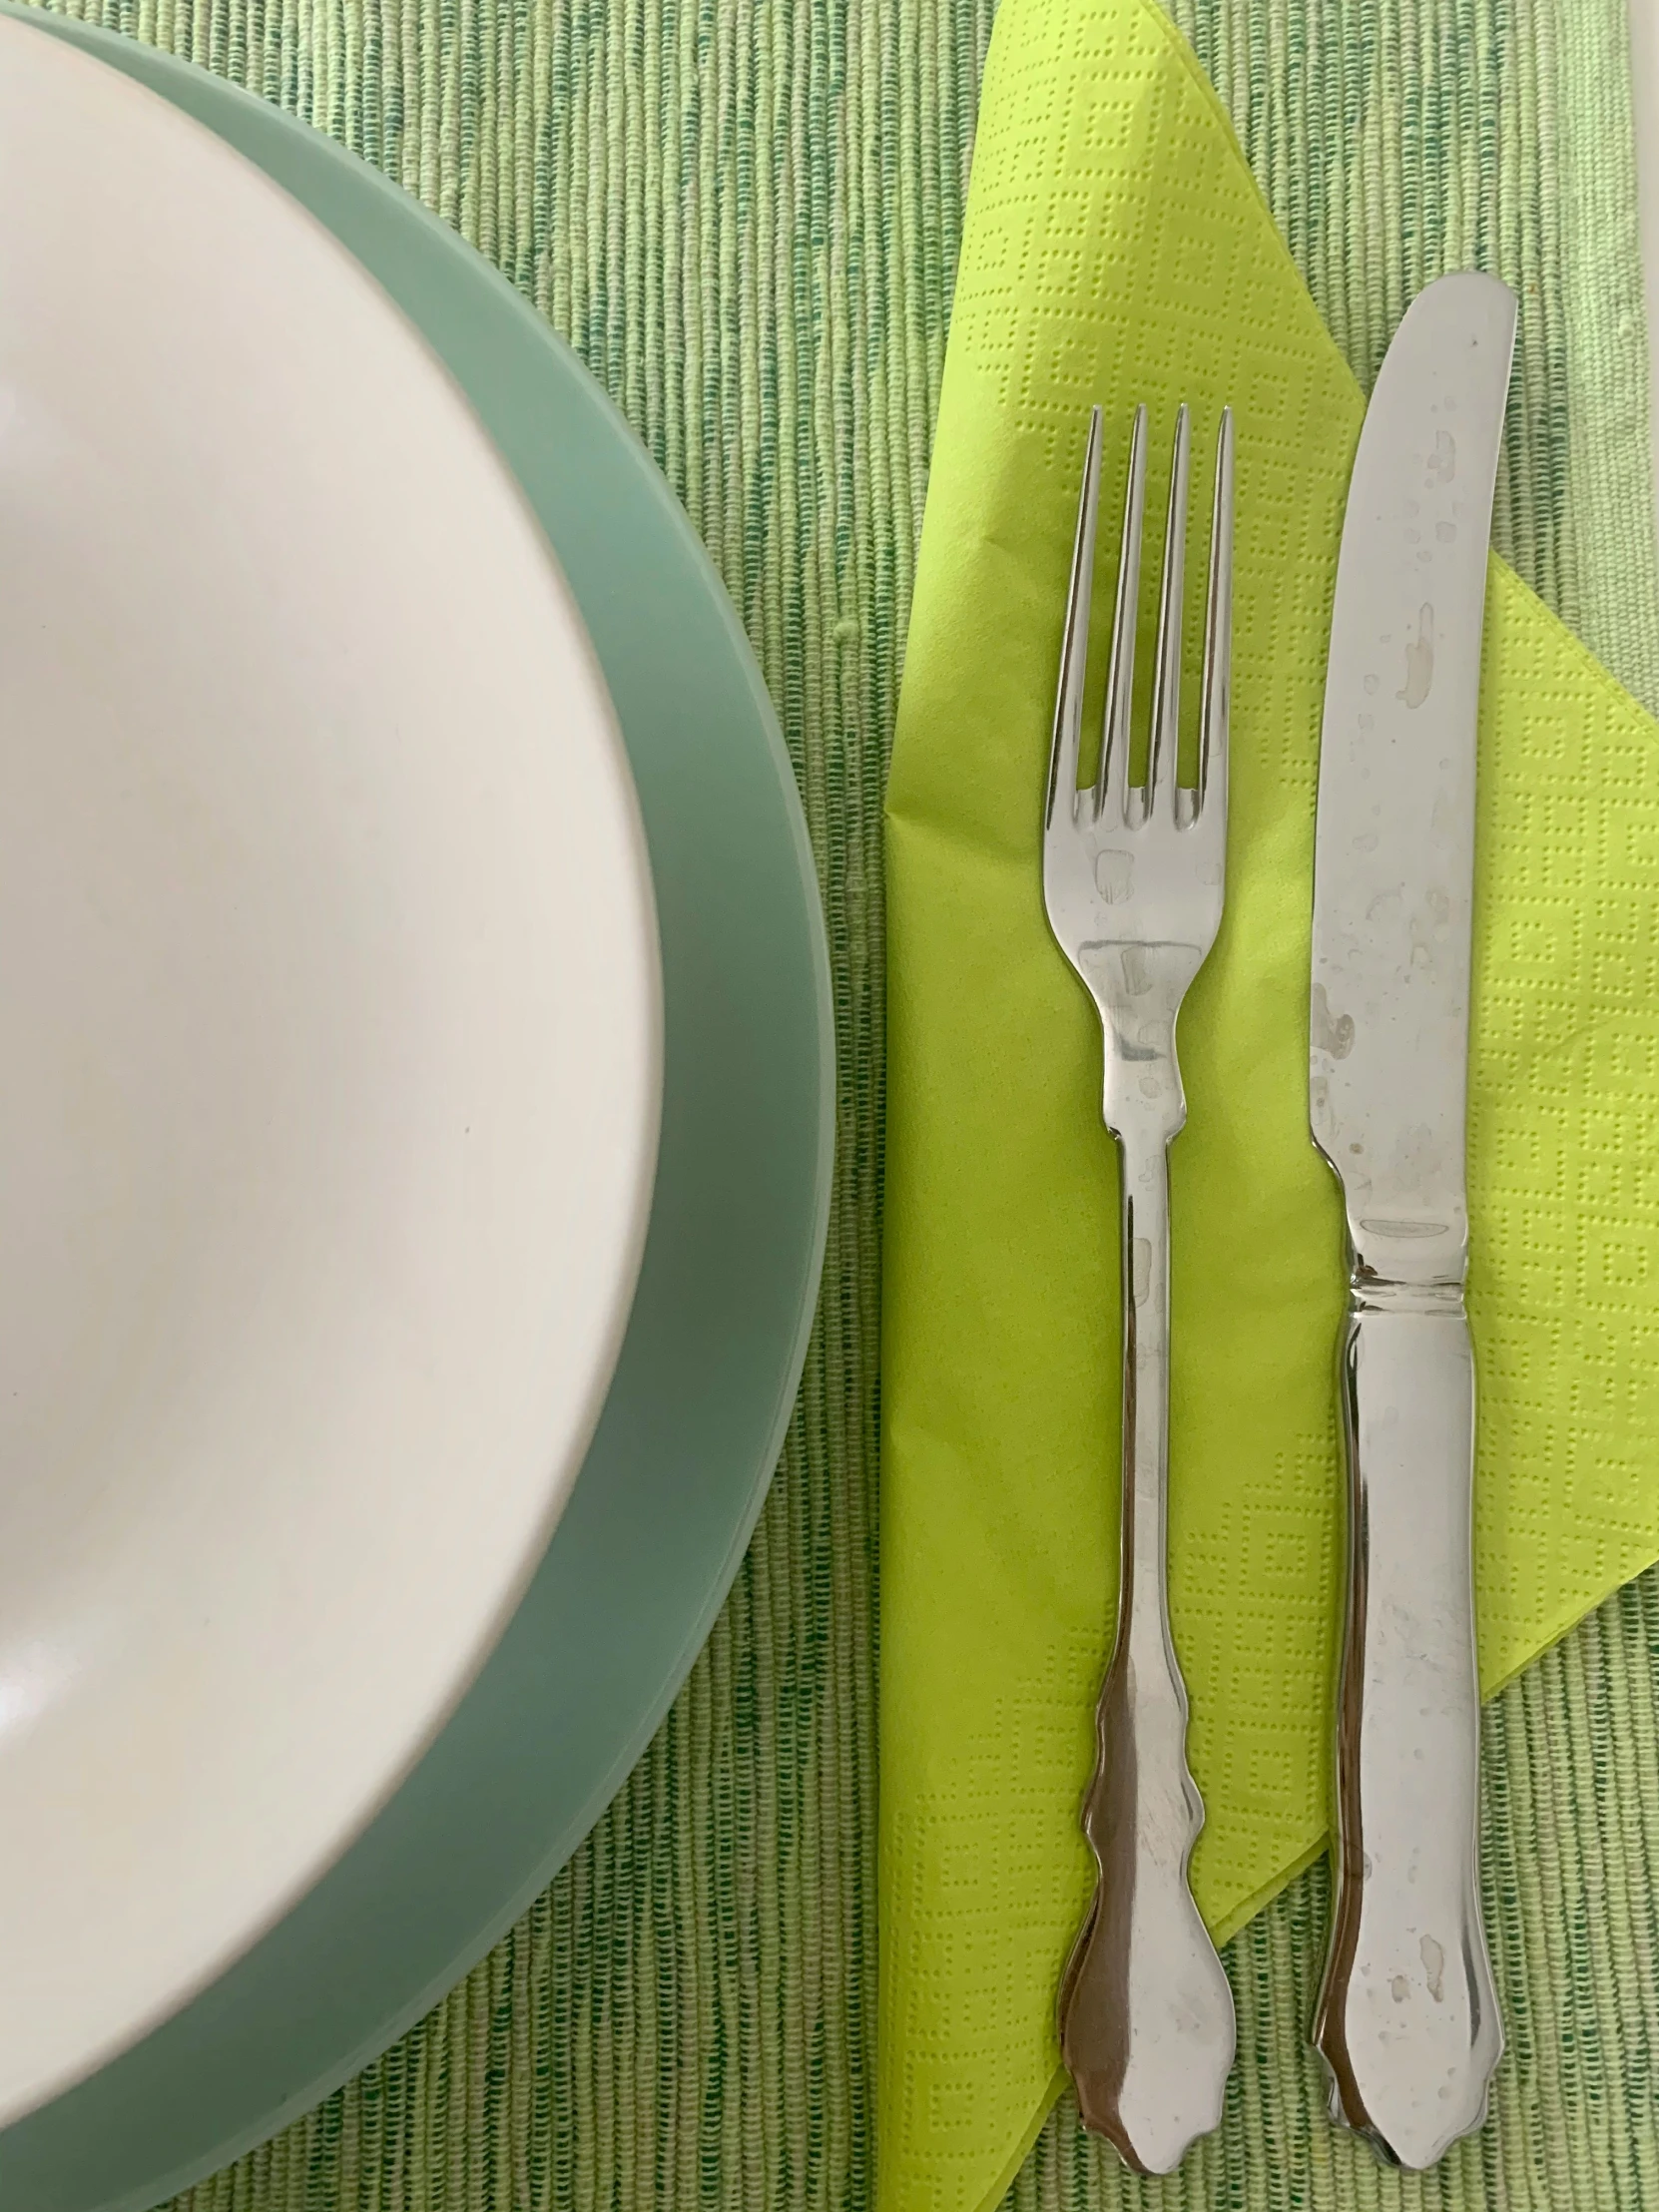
(329, 1037)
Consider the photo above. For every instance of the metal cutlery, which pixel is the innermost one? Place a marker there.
(1408, 2018)
(1133, 881)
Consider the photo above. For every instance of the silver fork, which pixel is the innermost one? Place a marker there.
(1133, 879)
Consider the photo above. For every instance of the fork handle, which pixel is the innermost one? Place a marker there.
(1146, 2013)
(1408, 2018)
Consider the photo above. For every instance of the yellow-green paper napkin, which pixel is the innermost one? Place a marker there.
(1116, 249)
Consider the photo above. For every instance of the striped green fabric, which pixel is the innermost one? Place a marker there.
(745, 214)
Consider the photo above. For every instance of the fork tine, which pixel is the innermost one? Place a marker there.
(1111, 789)
(1074, 643)
(1217, 633)
(1166, 679)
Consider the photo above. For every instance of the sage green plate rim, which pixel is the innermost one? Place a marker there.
(669, 1495)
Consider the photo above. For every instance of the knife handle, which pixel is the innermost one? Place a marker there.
(1408, 2020)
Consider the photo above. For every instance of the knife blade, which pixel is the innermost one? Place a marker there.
(1408, 2020)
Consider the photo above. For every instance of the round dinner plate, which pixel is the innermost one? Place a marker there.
(330, 989)
(658, 1520)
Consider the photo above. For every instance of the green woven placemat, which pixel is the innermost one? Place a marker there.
(685, 2018)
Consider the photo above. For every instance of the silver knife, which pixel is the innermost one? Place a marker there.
(1408, 2020)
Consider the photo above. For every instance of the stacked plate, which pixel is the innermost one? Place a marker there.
(414, 1155)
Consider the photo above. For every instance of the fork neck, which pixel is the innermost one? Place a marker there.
(1143, 1625)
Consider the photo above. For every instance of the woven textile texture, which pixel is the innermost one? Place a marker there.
(744, 214)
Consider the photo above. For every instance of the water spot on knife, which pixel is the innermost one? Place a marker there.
(1365, 843)
(1418, 1156)
(1136, 978)
(1442, 463)
(1333, 1033)
(1419, 660)
(1434, 1962)
(1445, 532)
(1370, 685)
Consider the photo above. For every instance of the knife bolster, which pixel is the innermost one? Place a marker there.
(1375, 1294)
(1408, 2020)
